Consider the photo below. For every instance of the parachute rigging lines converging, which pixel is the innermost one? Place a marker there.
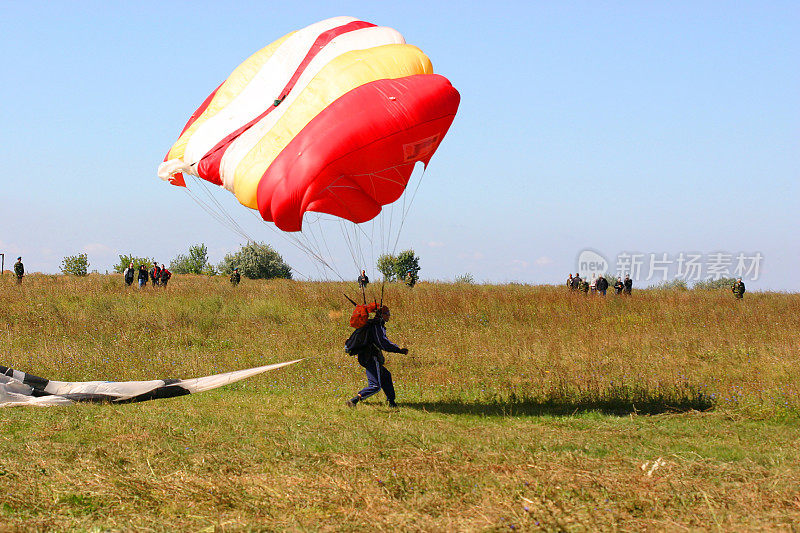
(19, 388)
(332, 120)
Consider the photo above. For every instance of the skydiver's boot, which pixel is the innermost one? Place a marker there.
(393, 404)
(352, 402)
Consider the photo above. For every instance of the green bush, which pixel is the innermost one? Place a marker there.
(386, 266)
(256, 261)
(75, 265)
(194, 263)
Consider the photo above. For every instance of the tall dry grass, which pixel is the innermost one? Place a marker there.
(468, 343)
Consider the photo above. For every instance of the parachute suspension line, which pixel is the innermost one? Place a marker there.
(389, 232)
(350, 244)
(305, 244)
(217, 216)
(407, 210)
(372, 247)
(286, 238)
(225, 219)
(324, 241)
(301, 241)
(315, 249)
(223, 211)
(360, 258)
(312, 242)
(208, 209)
(353, 242)
(403, 214)
(372, 229)
(362, 250)
(347, 241)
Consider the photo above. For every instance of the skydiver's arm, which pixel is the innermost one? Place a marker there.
(383, 341)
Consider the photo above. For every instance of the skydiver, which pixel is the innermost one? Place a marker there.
(372, 359)
(235, 277)
(19, 270)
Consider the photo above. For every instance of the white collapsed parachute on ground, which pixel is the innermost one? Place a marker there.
(19, 388)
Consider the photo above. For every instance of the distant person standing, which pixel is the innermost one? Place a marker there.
(569, 281)
(738, 289)
(602, 285)
(19, 270)
(411, 277)
(235, 277)
(593, 284)
(142, 276)
(618, 286)
(576, 282)
(584, 286)
(165, 275)
(155, 274)
(363, 280)
(129, 274)
(627, 286)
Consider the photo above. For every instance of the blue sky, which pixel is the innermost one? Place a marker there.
(617, 126)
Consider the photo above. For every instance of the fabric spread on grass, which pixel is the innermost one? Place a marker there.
(20, 388)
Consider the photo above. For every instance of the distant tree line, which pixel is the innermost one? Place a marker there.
(254, 260)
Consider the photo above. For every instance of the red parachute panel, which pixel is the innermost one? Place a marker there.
(358, 154)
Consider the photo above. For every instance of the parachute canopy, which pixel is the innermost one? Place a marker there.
(20, 388)
(330, 119)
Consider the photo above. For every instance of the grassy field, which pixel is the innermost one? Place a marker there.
(522, 407)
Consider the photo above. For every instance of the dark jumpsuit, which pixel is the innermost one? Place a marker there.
(372, 359)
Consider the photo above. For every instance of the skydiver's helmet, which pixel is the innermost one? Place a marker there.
(383, 313)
